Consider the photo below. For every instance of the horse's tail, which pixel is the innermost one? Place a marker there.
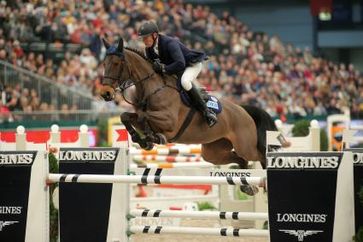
(263, 123)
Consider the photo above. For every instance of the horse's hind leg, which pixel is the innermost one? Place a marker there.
(220, 153)
(247, 148)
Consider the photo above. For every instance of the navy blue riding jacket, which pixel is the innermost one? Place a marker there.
(175, 55)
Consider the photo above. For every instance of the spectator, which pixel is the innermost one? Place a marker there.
(244, 66)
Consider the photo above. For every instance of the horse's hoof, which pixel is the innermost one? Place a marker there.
(250, 190)
(135, 138)
(162, 138)
(146, 145)
(149, 146)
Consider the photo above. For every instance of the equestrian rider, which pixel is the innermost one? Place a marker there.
(170, 56)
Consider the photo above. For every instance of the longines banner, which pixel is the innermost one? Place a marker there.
(15, 173)
(14, 193)
(85, 208)
(358, 185)
(309, 196)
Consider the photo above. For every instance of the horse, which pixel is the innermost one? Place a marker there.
(160, 116)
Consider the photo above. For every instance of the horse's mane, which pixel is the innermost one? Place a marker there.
(140, 53)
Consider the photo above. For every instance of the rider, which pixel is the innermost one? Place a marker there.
(170, 56)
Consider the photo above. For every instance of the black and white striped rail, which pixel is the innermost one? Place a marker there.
(199, 231)
(155, 179)
(198, 214)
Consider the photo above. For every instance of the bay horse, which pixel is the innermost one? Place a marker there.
(160, 116)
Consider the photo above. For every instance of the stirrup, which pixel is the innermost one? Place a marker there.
(211, 122)
(210, 117)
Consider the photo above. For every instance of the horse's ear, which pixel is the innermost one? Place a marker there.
(120, 46)
(107, 45)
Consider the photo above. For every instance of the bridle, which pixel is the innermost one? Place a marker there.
(125, 84)
(121, 88)
(119, 75)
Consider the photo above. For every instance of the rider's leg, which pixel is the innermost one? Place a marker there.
(189, 75)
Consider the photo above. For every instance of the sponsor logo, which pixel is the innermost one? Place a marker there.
(3, 224)
(212, 104)
(87, 155)
(300, 234)
(229, 174)
(301, 217)
(327, 162)
(16, 159)
(10, 210)
(358, 158)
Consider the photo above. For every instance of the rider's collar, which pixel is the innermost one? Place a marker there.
(112, 50)
(156, 45)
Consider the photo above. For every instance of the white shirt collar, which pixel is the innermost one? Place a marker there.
(156, 46)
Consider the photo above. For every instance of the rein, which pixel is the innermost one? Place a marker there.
(143, 103)
(124, 81)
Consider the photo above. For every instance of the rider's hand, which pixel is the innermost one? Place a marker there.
(159, 67)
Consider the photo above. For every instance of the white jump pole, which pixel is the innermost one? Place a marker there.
(198, 214)
(151, 179)
(199, 231)
(199, 198)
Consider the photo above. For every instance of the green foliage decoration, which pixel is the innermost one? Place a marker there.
(301, 128)
(53, 213)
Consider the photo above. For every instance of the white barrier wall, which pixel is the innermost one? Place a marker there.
(311, 142)
(53, 142)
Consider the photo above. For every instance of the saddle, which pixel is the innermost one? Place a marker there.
(211, 101)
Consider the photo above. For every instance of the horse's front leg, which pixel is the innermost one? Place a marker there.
(151, 136)
(132, 121)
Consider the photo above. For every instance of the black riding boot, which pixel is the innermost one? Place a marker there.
(200, 104)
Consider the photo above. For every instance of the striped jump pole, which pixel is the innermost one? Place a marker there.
(231, 232)
(172, 165)
(166, 151)
(169, 145)
(150, 158)
(198, 214)
(152, 179)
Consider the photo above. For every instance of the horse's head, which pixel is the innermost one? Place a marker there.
(115, 69)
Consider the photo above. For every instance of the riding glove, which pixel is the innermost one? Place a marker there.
(159, 67)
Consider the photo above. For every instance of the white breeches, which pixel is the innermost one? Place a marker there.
(190, 74)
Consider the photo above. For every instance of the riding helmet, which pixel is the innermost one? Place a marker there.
(148, 28)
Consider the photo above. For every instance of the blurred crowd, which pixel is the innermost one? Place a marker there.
(244, 66)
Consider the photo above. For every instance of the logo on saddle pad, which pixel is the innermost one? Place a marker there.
(213, 103)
